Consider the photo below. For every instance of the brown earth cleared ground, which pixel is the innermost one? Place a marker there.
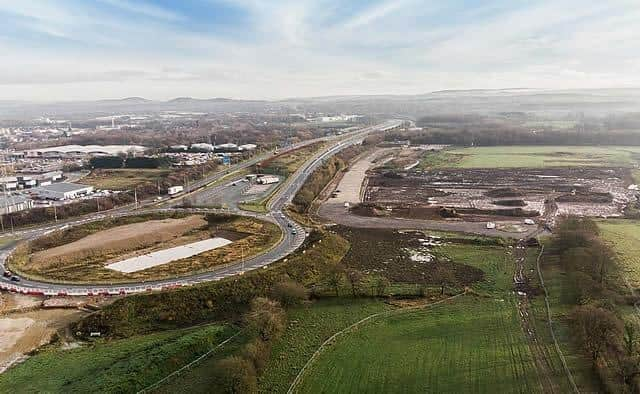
(402, 257)
(118, 240)
(479, 194)
(63, 258)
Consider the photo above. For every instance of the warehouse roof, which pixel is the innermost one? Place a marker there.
(64, 187)
(11, 200)
(91, 149)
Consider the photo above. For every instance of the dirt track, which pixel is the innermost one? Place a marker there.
(336, 213)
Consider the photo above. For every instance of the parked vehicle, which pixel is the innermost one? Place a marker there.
(175, 190)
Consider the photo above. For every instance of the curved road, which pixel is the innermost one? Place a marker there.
(289, 243)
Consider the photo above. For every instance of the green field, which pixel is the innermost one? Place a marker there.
(470, 345)
(532, 156)
(556, 283)
(624, 236)
(123, 179)
(309, 326)
(125, 365)
(493, 260)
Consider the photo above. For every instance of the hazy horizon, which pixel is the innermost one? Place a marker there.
(69, 50)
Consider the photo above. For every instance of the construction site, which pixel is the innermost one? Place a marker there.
(490, 201)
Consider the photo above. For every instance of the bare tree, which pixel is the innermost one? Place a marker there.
(266, 318)
(355, 278)
(595, 328)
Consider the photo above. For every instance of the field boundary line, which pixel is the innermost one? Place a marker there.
(565, 366)
(338, 334)
(197, 360)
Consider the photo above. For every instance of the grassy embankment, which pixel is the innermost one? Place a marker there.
(125, 365)
(531, 156)
(253, 237)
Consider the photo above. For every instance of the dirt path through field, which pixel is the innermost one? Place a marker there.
(540, 352)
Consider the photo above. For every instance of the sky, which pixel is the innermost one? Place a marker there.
(61, 50)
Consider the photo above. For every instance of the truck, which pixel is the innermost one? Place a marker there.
(175, 190)
(267, 180)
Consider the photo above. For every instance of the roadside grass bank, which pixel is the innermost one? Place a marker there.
(124, 365)
(124, 178)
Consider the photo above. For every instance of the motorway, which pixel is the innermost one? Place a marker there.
(283, 196)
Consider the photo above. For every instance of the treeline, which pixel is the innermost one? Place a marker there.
(595, 321)
(66, 211)
(321, 177)
(128, 162)
(495, 134)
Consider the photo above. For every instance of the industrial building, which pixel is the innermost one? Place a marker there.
(83, 151)
(62, 191)
(9, 204)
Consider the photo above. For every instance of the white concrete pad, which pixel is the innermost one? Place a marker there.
(167, 255)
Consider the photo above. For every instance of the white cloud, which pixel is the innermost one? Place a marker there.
(145, 9)
(308, 47)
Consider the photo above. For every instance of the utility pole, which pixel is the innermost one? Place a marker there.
(242, 256)
(55, 213)
(135, 197)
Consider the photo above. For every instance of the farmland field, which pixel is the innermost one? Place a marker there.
(125, 365)
(309, 326)
(469, 345)
(532, 156)
(624, 236)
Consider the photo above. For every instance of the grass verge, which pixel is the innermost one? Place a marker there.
(125, 365)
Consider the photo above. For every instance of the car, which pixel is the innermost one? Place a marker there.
(7, 274)
(294, 232)
(15, 278)
(289, 225)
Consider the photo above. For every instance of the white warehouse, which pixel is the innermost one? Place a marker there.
(62, 191)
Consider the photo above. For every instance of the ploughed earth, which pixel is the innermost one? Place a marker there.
(490, 194)
(406, 256)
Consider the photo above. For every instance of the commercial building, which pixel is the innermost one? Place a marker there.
(62, 191)
(8, 183)
(9, 204)
(28, 181)
(83, 151)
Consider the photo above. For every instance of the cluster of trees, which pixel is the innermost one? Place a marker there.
(265, 321)
(321, 177)
(478, 131)
(128, 162)
(48, 214)
(599, 330)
